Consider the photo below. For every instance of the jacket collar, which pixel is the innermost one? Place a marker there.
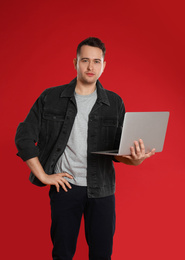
(101, 92)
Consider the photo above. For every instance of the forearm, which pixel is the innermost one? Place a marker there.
(36, 168)
(53, 179)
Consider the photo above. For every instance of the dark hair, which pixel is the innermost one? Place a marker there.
(94, 42)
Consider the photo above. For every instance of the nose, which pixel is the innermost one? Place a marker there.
(90, 65)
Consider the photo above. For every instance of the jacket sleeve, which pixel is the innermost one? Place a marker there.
(121, 113)
(28, 131)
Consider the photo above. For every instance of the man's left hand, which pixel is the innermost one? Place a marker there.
(137, 156)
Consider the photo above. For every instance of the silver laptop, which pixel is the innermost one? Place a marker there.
(148, 126)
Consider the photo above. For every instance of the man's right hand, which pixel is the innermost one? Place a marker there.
(56, 179)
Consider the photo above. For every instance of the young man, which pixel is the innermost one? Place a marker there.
(68, 123)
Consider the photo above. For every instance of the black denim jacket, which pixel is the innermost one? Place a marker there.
(47, 127)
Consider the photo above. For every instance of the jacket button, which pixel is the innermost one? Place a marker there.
(58, 149)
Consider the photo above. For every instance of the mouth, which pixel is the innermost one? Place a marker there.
(90, 74)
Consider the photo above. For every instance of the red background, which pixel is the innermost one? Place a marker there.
(145, 65)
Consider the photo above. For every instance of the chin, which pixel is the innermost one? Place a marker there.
(89, 81)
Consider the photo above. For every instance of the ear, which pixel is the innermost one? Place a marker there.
(75, 63)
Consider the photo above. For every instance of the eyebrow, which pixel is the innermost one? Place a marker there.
(89, 59)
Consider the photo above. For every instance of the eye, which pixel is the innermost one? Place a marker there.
(97, 61)
(84, 60)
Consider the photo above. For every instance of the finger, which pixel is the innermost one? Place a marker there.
(65, 174)
(68, 175)
(57, 187)
(153, 151)
(137, 147)
(62, 185)
(127, 157)
(150, 153)
(142, 147)
(132, 150)
(66, 183)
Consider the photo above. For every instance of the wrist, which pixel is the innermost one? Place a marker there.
(43, 177)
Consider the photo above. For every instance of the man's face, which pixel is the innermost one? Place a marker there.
(89, 64)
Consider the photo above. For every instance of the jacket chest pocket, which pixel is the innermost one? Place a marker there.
(109, 129)
(52, 125)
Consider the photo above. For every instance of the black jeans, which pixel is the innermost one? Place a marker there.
(67, 209)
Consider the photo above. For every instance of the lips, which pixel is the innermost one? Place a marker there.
(90, 74)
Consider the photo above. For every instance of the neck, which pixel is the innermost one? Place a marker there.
(84, 89)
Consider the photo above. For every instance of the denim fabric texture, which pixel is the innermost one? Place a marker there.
(46, 130)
